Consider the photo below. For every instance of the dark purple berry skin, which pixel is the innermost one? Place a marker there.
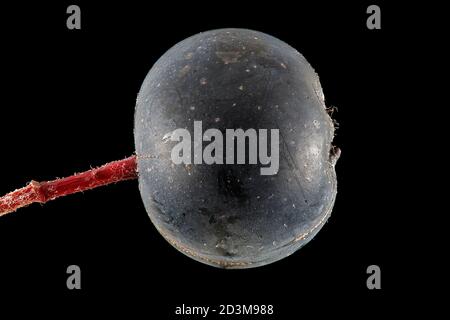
(229, 215)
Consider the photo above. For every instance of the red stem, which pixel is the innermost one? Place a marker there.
(42, 192)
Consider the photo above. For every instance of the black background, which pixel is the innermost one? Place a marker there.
(68, 101)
